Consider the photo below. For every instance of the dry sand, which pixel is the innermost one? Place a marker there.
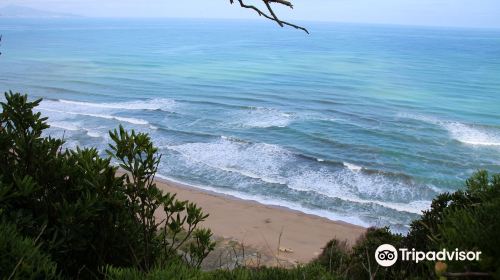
(258, 227)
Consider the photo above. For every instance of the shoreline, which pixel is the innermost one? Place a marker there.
(273, 231)
(350, 220)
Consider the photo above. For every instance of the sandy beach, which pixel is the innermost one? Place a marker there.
(259, 227)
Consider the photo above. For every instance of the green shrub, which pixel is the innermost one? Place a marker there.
(180, 271)
(310, 271)
(358, 261)
(466, 219)
(92, 218)
(75, 194)
(137, 155)
(21, 258)
(474, 226)
(173, 270)
(423, 230)
(363, 263)
(336, 257)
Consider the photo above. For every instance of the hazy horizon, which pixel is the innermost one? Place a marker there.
(445, 13)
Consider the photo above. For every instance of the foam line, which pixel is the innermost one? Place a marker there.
(464, 133)
(151, 104)
(109, 117)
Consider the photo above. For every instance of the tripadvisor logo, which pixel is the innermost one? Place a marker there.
(387, 255)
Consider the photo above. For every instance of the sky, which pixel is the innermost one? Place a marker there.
(464, 13)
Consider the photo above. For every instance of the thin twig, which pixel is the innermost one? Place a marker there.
(272, 15)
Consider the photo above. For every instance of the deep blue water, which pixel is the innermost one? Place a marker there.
(362, 123)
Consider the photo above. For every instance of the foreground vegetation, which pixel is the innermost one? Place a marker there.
(65, 214)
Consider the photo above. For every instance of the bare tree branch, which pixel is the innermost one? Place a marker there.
(272, 15)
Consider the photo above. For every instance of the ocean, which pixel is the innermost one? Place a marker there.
(360, 123)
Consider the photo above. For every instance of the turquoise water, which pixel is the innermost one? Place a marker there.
(360, 123)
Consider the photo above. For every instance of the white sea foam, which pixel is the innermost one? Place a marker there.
(356, 187)
(274, 164)
(262, 118)
(64, 125)
(75, 126)
(122, 119)
(352, 167)
(93, 134)
(103, 116)
(465, 133)
(150, 104)
(68, 111)
(473, 135)
(258, 161)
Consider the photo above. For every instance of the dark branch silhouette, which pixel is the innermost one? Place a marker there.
(271, 14)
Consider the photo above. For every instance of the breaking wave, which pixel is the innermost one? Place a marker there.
(464, 133)
(276, 165)
(150, 104)
(259, 117)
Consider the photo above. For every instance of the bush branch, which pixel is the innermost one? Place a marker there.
(271, 15)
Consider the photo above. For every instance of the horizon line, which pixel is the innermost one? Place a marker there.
(76, 17)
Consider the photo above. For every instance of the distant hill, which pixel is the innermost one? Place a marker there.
(13, 11)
